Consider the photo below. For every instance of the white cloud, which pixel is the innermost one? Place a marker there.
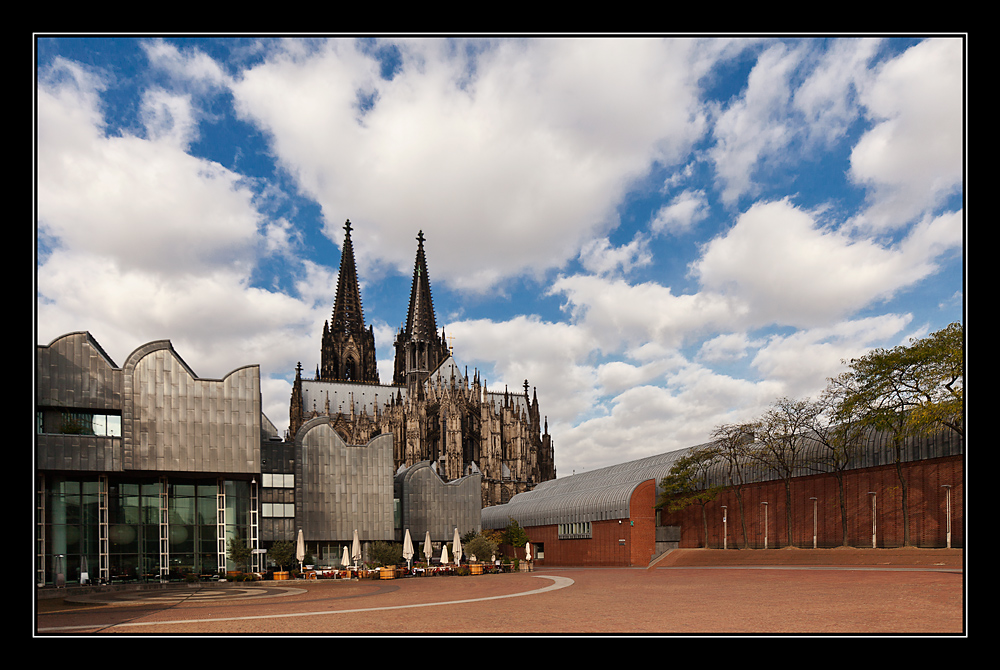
(619, 314)
(188, 68)
(931, 238)
(651, 419)
(802, 361)
(523, 150)
(514, 157)
(682, 213)
(827, 98)
(274, 394)
(913, 157)
(552, 356)
(139, 202)
(756, 126)
(214, 314)
(280, 237)
(146, 241)
(725, 347)
(169, 118)
(615, 377)
(790, 271)
(598, 256)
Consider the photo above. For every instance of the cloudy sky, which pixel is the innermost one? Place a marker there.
(660, 235)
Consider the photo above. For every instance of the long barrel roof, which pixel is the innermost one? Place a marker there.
(589, 496)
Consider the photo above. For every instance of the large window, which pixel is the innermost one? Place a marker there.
(79, 422)
(71, 527)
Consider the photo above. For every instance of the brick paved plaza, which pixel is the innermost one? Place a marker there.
(882, 592)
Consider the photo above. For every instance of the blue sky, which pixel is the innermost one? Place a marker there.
(660, 234)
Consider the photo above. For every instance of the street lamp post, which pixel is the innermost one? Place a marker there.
(765, 524)
(947, 488)
(814, 499)
(725, 533)
(873, 495)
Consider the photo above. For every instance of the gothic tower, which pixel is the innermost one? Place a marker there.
(433, 410)
(348, 350)
(419, 348)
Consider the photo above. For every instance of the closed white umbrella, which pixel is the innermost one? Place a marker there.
(345, 559)
(444, 554)
(407, 547)
(356, 548)
(300, 548)
(428, 549)
(456, 546)
(527, 551)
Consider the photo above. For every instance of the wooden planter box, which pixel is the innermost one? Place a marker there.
(281, 575)
(476, 568)
(387, 573)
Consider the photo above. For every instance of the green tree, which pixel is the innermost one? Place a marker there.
(686, 484)
(514, 535)
(480, 546)
(936, 378)
(281, 553)
(905, 391)
(238, 552)
(493, 535)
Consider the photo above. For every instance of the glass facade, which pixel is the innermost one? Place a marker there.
(70, 527)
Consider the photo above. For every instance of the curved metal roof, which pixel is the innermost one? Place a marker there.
(590, 496)
(604, 493)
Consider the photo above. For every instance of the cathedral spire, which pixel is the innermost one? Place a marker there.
(421, 324)
(348, 351)
(348, 316)
(420, 349)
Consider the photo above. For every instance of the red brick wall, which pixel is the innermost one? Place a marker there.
(632, 541)
(927, 505)
(642, 526)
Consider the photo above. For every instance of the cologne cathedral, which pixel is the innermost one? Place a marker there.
(434, 410)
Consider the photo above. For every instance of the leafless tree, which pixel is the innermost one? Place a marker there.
(733, 442)
(780, 436)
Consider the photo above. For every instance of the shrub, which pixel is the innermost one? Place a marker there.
(482, 547)
(514, 535)
(385, 553)
(281, 553)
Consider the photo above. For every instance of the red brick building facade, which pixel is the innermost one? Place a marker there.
(927, 503)
(613, 542)
(637, 536)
